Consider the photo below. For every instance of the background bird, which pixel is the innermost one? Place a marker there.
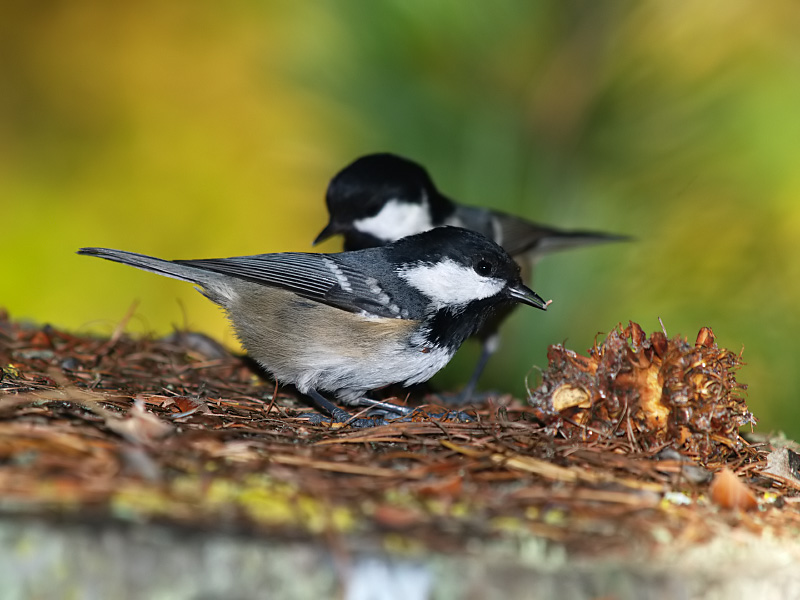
(355, 321)
(380, 198)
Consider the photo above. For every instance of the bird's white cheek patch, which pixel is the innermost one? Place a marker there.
(396, 220)
(449, 283)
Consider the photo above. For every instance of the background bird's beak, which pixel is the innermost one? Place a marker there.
(527, 296)
(330, 229)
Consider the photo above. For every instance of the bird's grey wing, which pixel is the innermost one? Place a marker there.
(519, 236)
(474, 218)
(516, 236)
(319, 277)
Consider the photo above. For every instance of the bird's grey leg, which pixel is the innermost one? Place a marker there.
(488, 348)
(404, 411)
(339, 415)
(384, 406)
(383, 409)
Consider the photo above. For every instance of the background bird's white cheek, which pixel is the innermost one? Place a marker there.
(396, 220)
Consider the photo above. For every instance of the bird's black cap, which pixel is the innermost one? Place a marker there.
(364, 187)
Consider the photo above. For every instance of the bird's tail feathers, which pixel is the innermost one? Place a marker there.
(152, 264)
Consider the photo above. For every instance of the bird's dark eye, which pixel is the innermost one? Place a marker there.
(484, 268)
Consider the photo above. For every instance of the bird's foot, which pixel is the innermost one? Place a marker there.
(342, 417)
(453, 415)
(379, 413)
(407, 413)
(338, 415)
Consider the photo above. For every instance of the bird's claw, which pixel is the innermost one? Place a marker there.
(345, 418)
(453, 415)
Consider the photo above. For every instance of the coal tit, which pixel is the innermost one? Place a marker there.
(379, 198)
(355, 321)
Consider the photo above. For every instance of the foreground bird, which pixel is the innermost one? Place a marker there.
(355, 321)
(380, 198)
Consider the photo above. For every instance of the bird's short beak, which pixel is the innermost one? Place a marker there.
(526, 295)
(330, 230)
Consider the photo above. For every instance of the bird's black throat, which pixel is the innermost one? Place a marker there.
(450, 327)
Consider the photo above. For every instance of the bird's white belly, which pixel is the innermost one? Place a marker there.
(315, 346)
(349, 378)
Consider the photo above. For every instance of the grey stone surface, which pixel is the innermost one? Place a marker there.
(44, 560)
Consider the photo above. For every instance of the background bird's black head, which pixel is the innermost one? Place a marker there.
(365, 185)
(363, 189)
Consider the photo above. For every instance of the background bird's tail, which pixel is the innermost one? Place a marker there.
(554, 240)
(524, 237)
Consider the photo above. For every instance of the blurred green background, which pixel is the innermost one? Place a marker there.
(202, 129)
